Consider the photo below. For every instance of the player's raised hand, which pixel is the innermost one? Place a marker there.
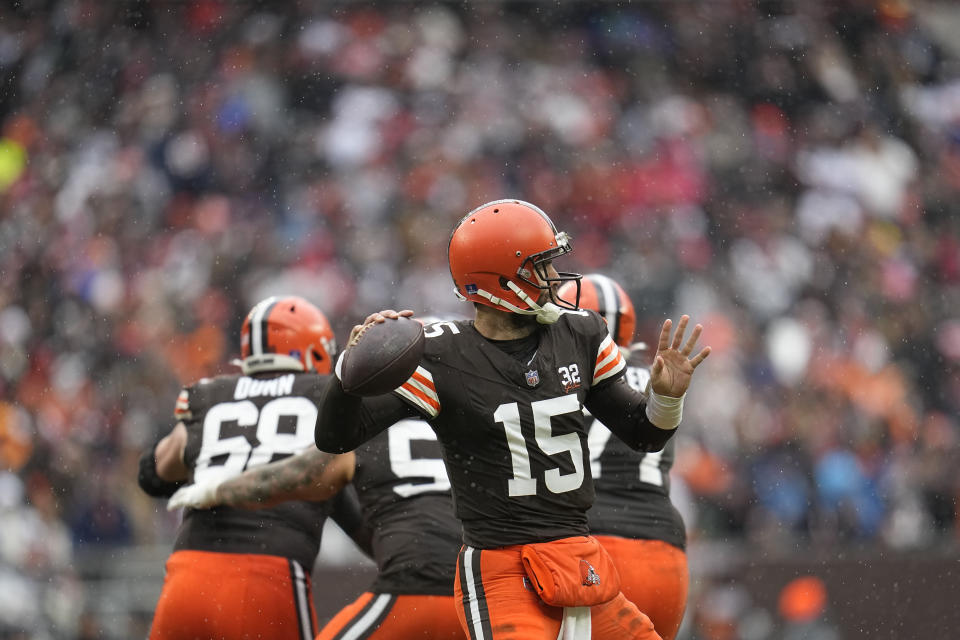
(374, 318)
(673, 367)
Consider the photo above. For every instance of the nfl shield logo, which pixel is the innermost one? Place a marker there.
(471, 289)
(533, 377)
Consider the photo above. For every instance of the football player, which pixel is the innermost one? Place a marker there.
(236, 573)
(505, 395)
(632, 515)
(404, 495)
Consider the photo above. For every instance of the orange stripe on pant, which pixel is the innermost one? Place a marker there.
(653, 576)
(385, 616)
(496, 602)
(232, 596)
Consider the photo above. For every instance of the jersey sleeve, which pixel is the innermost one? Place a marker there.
(346, 421)
(421, 392)
(182, 410)
(609, 361)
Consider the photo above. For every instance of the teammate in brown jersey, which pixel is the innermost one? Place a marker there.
(404, 494)
(632, 515)
(237, 573)
(505, 394)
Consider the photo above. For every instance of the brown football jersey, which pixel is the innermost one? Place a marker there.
(405, 495)
(235, 423)
(513, 432)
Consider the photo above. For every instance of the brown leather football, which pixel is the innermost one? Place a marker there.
(383, 357)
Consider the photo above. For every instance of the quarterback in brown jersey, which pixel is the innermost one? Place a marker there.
(632, 515)
(505, 394)
(236, 573)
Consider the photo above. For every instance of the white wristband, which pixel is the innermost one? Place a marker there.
(664, 412)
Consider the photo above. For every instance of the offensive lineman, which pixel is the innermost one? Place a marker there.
(236, 573)
(404, 495)
(505, 394)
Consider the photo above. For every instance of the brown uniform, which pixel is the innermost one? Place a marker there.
(405, 496)
(236, 573)
(514, 440)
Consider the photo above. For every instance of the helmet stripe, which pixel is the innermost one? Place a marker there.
(258, 326)
(608, 303)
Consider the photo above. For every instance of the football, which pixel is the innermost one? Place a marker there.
(383, 357)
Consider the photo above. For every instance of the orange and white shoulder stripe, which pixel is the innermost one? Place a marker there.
(182, 409)
(420, 390)
(609, 361)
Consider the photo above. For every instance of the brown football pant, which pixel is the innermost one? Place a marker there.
(495, 601)
(653, 576)
(384, 616)
(233, 596)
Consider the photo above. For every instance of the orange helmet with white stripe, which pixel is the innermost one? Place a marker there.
(499, 255)
(605, 296)
(286, 334)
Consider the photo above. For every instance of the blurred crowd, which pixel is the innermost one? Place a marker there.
(785, 172)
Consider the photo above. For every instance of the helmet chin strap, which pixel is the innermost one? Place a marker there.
(546, 314)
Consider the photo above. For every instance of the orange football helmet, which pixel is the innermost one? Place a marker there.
(499, 254)
(605, 296)
(286, 334)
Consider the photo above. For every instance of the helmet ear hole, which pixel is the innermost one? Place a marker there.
(503, 283)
